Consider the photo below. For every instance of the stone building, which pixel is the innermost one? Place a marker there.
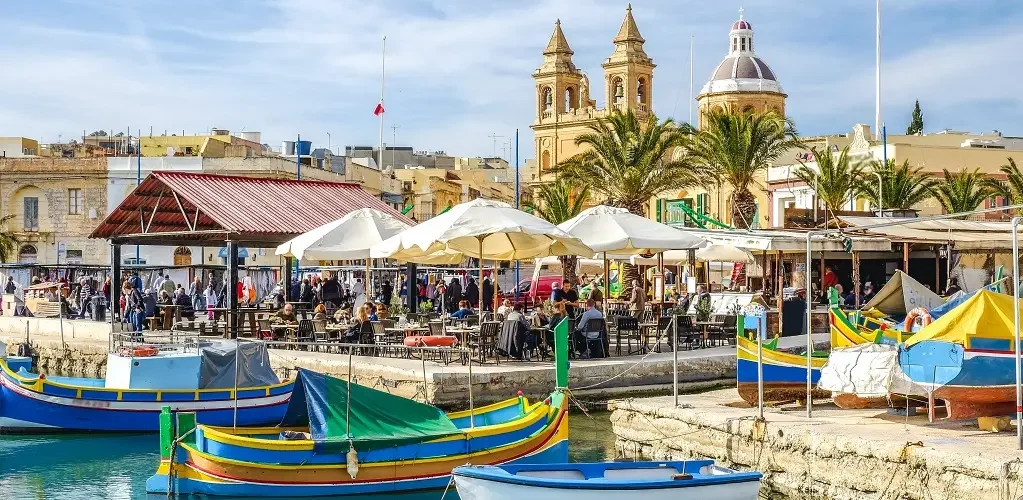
(56, 203)
(564, 108)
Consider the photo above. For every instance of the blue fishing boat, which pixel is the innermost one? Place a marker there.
(139, 381)
(692, 480)
(966, 357)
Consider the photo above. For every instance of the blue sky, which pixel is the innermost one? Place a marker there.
(459, 70)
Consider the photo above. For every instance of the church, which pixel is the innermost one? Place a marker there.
(565, 109)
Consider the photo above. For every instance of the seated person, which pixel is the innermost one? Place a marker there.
(182, 300)
(354, 332)
(286, 315)
(165, 298)
(506, 308)
(463, 310)
(320, 312)
(559, 315)
(584, 337)
(381, 312)
(371, 310)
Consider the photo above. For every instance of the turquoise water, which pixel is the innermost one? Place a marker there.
(116, 467)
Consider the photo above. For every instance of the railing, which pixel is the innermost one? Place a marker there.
(127, 342)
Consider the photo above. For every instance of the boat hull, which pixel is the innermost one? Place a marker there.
(30, 406)
(973, 382)
(784, 374)
(195, 472)
(479, 489)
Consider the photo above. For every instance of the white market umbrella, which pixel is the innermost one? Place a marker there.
(347, 238)
(618, 231)
(723, 253)
(484, 229)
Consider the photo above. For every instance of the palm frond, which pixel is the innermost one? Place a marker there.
(962, 191)
(8, 242)
(835, 179)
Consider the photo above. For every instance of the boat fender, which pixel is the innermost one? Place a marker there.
(919, 312)
(682, 477)
(352, 459)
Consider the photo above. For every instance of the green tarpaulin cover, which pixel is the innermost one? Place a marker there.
(375, 419)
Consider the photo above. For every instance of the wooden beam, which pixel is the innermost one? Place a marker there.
(856, 276)
(905, 257)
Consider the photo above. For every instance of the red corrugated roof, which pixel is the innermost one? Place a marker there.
(253, 209)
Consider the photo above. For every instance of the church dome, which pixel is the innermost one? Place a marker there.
(742, 70)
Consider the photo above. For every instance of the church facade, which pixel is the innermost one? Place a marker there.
(566, 108)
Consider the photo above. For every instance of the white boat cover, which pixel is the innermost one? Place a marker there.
(868, 371)
(903, 294)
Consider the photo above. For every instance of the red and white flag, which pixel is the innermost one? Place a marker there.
(379, 110)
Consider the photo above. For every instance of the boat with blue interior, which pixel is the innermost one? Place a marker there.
(692, 480)
(224, 382)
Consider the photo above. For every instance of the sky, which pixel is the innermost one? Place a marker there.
(458, 72)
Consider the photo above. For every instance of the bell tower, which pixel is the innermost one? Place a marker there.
(629, 72)
(561, 91)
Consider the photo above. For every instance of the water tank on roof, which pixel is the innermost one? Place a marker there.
(305, 148)
(288, 148)
(255, 137)
(220, 131)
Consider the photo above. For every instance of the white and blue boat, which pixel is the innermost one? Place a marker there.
(688, 480)
(139, 381)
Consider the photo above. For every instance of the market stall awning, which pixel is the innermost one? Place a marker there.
(179, 208)
(789, 241)
(962, 234)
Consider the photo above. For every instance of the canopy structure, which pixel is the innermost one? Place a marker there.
(347, 238)
(788, 241)
(903, 294)
(181, 208)
(552, 265)
(986, 313)
(616, 230)
(484, 229)
(337, 411)
(962, 234)
(723, 253)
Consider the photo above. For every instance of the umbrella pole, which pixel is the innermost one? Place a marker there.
(607, 285)
(480, 284)
(660, 269)
(369, 286)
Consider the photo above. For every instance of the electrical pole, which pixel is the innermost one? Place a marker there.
(394, 140)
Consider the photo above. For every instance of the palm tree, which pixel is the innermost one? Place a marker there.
(735, 147)
(8, 242)
(962, 191)
(902, 186)
(836, 179)
(1012, 188)
(557, 202)
(629, 161)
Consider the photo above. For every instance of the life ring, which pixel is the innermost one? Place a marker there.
(142, 351)
(919, 312)
(431, 341)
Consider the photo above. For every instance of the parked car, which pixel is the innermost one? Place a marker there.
(522, 290)
(540, 288)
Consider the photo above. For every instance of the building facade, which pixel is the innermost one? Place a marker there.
(564, 107)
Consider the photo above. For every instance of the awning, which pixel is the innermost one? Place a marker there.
(962, 234)
(789, 241)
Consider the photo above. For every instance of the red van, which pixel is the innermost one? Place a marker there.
(540, 288)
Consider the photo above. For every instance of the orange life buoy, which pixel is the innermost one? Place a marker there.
(142, 351)
(919, 312)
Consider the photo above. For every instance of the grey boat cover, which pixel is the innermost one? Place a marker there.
(218, 360)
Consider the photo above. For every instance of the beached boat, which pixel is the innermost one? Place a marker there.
(139, 382)
(966, 357)
(784, 373)
(691, 480)
(341, 439)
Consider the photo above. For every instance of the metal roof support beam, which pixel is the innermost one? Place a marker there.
(191, 227)
(153, 215)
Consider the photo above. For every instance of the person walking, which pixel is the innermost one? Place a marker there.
(10, 287)
(637, 300)
(472, 293)
(488, 295)
(84, 294)
(211, 300)
(168, 285)
(195, 294)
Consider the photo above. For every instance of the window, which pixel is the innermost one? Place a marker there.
(31, 213)
(74, 201)
(742, 43)
(132, 261)
(73, 256)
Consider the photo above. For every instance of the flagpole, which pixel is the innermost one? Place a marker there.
(690, 80)
(877, 70)
(383, 54)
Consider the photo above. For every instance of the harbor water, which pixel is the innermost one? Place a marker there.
(116, 467)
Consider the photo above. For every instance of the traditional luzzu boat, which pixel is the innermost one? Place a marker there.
(693, 480)
(966, 357)
(784, 373)
(142, 379)
(339, 438)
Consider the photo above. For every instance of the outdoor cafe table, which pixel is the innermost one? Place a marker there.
(461, 332)
(171, 315)
(409, 330)
(704, 325)
(287, 328)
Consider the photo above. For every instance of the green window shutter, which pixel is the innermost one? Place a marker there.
(659, 209)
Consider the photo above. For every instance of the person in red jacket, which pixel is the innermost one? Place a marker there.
(830, 280)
